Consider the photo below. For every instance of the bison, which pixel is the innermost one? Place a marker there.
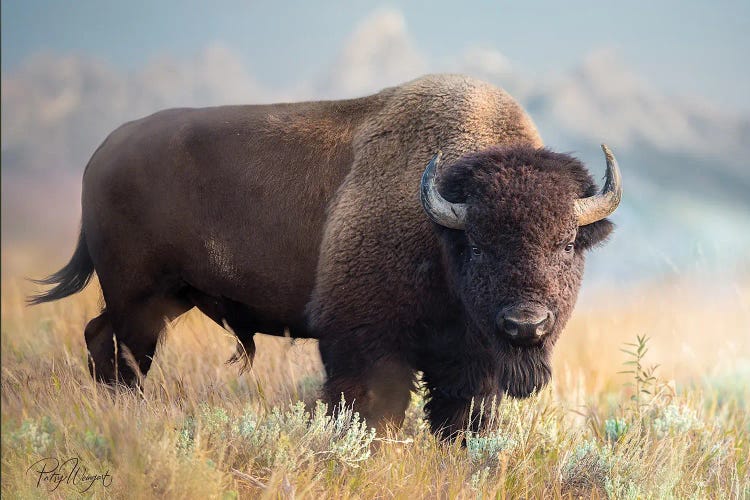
(337, 220)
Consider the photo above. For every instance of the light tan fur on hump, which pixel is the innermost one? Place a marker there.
(462, 112)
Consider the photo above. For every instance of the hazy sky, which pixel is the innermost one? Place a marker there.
(686, 48)
(665, 83)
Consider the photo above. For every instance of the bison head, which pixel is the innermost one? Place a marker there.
(515, 224)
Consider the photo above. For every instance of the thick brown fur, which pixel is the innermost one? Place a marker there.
(306, 217)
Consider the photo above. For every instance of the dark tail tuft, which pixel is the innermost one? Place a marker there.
(70, 279)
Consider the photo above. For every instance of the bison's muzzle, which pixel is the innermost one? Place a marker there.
(524, 324)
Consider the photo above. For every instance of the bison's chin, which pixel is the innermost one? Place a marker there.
(524, 370)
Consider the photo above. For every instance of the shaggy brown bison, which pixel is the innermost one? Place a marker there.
(337, 221)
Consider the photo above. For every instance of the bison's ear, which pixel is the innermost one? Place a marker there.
(593, 234)
(455, 183)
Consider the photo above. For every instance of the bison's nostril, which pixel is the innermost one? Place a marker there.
(541, 326)
(510, 327)
(547, 323)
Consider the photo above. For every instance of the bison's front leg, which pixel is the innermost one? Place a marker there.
(378, 385)
(456, 396)
(449, 416)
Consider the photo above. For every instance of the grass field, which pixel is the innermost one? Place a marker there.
(200, 429)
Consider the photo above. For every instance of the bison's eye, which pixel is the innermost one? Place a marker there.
(569, 247)
(476, 251)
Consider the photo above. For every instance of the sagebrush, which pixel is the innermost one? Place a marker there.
(202, 430)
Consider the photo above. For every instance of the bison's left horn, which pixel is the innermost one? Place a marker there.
(440, 210)
(594, 208)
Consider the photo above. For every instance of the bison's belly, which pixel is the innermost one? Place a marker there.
(253, 284)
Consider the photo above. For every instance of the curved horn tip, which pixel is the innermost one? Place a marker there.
(613, 175)
(601, 205)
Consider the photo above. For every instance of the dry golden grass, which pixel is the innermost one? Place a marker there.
(202, 430)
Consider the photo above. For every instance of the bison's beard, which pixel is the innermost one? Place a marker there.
(523, 370)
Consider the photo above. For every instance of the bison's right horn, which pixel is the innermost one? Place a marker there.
(595, 208)
(440, 210)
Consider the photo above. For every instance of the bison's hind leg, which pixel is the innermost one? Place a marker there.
(101, 347)
(137, 329)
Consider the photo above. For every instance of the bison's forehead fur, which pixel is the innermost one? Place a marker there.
(512, 188)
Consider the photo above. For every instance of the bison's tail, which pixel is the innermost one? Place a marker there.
(70, 279)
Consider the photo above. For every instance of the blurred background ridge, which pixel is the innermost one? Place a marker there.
(665, 93)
